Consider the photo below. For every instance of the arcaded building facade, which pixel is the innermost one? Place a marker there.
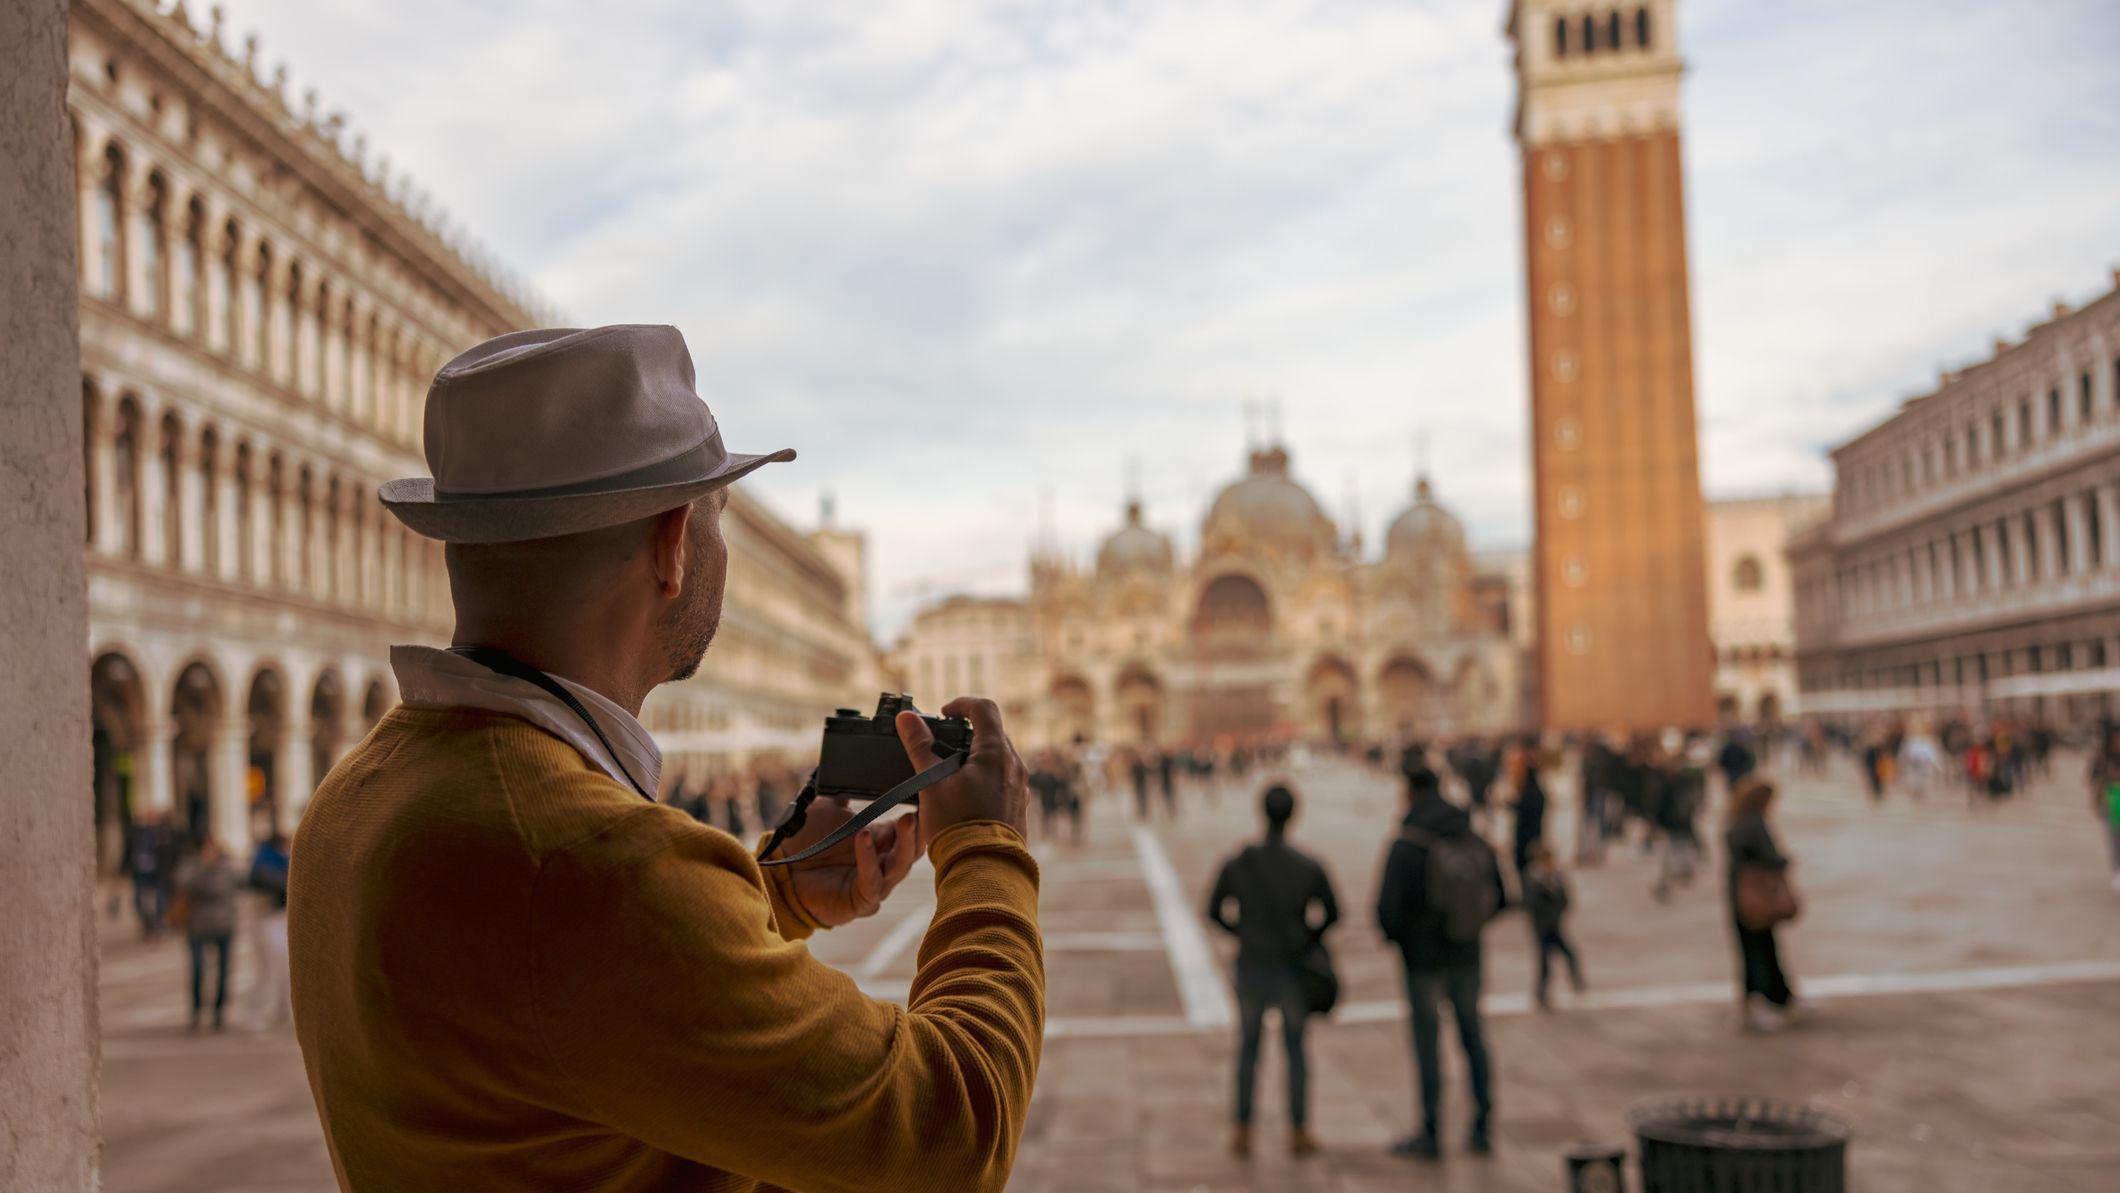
(1972, 561)
(1752, 602)
(1623, 625)
(1280, 626)
(262, 309)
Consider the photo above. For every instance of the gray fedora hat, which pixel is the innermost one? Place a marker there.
(556, 431)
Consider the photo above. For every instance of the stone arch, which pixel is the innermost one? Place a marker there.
(106, 222)
(197, 712)
(1138, 694)
(120, 735)
(152, 237)
(1333, 695)
(374, 703)
(265, 711)
(327, 724)
(1406, 694)
(1074, 709)
(1232, 618)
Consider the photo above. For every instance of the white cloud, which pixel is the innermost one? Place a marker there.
(962, 255)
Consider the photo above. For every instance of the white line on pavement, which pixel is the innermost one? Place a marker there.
(1200, 983)
(897, 940)
(1854, 985)
(1103, 942)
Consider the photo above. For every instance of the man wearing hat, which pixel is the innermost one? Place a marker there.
(513, 969)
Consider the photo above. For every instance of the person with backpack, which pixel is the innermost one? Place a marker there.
(1281, 959)
(1441, 885)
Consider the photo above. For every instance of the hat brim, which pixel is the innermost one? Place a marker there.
(515, 519)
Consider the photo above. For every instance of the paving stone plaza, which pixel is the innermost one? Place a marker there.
(1967, 963)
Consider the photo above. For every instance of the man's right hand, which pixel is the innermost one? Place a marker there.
(992, 784)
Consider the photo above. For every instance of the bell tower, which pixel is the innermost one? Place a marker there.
(1618, 564)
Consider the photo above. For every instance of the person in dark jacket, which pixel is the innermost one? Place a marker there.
(208, 882)
(1274, 885)
(1530, 809)
(1439, 968)
(1768, 997)
(1546, 903)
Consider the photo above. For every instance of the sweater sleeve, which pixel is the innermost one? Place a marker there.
(675, 1011)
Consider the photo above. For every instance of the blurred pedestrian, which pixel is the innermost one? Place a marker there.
(147, 856)
(2105, 794)
(1530, 809)
(1757, 864)
(1546, 904)
(1275, 885)
(1441, 885)
(1137, 767)
(1167, 778)
(1920, 760)
(206, 884)
(268, 1001)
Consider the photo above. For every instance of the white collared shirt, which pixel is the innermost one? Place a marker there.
(432, 678)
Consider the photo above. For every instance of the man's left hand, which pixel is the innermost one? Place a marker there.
(853, 878)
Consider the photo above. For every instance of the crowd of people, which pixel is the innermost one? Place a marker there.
(189, 884)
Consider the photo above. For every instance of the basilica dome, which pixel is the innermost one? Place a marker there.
(1425, 531)
(1134, 549)
(1268, 510)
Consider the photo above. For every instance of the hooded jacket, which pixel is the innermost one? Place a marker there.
(1403, 911)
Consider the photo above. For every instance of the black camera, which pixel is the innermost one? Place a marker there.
(862, 757)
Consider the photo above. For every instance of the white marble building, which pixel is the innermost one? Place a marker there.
(1972, 560)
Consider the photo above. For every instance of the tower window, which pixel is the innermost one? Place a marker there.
(1641, 27)
(1612, 29)
(1748, 576)
(2053, 411)
(1560, 37)
(1589, 34)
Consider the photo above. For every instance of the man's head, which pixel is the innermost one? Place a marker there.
(1279, 807)
(642, 599)
(1421, 783)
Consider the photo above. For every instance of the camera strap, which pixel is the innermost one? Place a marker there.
(492, 658)
(791, 822)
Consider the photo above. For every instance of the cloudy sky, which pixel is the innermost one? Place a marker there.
(971, 257)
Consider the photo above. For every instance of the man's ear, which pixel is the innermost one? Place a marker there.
(667, 549)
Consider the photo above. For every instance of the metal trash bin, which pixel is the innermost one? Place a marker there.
(1739, 1143)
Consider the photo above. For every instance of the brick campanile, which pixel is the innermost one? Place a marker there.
(1622, 601)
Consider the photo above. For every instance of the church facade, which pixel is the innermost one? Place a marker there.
(1279, 627)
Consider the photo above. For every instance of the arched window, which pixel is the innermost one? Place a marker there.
(1641, 28)
(254, 311)
(171, 495)
(1748, 575)
(186, 281)
(274, 531)
(110, 254)
(1589, 34)
(305, 558)
(231, 289)
(246, 507)
(209, 502)
(1612, 29)
(148, 232)
(89, 470)
(290, 311)
(1560, 37)
(125, 468)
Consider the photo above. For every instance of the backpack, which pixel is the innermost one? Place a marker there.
(1460, 882)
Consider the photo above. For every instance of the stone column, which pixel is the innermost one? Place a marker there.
(155, 764)
(104, 448)
(295, 776)
(226, 566)
(47, 937)
(2077, 526)
(133, 219)
(228, 781)
(153, 495)
(359, 404)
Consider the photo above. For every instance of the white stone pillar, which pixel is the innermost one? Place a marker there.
(153, 766)
(103, 447)
(228, 784)
(133, 231)
(2077, 526)
(153, 496)
(191, 505)
(226, 564)
(296, 777)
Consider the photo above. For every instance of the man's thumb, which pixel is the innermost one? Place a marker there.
(918, 738)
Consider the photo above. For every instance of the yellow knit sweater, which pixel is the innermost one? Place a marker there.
(512, 973)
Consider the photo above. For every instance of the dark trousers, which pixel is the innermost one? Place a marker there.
(150, 901)
(1426, 991)
(1257, 990)
(199, 945)
(1761, 966)
(1549, 944)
